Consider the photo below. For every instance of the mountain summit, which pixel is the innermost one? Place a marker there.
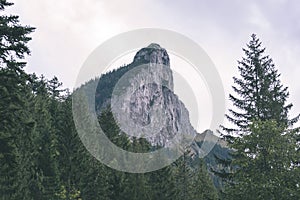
(142, 100)
(153, 53)
(147, 107)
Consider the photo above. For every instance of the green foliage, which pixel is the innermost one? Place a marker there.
(14, 38)
(43, 157)
(259, 93)
(263, 161)
(41, 154)
(203, 187)
(15, 119)
(264, 157)
(163, 183)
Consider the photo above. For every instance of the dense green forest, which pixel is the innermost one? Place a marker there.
(42, 156)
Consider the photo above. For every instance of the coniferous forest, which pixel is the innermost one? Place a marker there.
(43, 158)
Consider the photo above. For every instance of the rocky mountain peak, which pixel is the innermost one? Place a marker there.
(147, 107)
(142, 99)
(154, 46)
(153, 53)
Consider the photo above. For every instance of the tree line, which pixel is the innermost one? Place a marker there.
(42, 157)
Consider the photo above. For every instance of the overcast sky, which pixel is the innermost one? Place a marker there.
(69, 30)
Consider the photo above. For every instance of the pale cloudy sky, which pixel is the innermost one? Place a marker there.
(69, 30)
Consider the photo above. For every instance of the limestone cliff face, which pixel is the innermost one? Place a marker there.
(144, 104)
(153, 54)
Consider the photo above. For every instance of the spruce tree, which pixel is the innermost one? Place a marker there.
(183, 176)
(264, 149)
(162, 183)
(15, 120)
(259, 93)
(45, 143)
(70, 151)
(136, 185)
(14, 38)
(92, 174)
(203, 188)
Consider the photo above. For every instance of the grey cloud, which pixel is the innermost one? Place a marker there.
(69, 30)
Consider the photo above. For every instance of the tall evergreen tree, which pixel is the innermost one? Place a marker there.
(45, 143)
(264, 148)
(162, 183)
(70, 151)
(263, 164)
(14, 119)
(14, 38)
(184, 176)
(92, 174)
(203, 188)
(259, 93)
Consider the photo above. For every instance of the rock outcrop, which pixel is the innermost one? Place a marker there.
(144, 104)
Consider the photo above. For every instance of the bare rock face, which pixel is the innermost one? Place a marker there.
(144, 104)
(153, 54)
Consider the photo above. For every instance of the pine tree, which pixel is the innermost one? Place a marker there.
(136, 185)
(162, 183)
(14, 38)
(45, 142)
(263, 164)
(92, 174)
(259, 92)
(264, 148)
(14, 103)
(55, 102)
(8, 120)
(70, 151)
(183, 177)
(203, 188)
